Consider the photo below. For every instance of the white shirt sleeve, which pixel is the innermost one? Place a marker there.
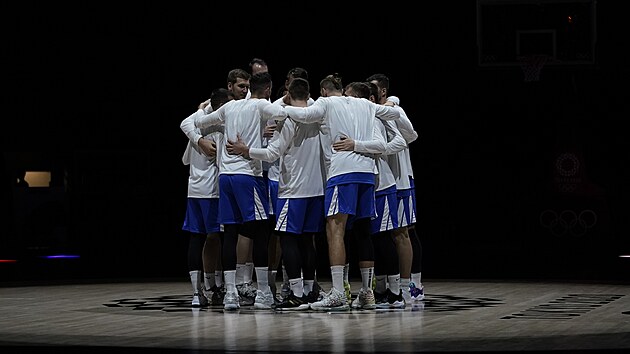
(188, 127)
(386, 112)
(215, 118)
(272, 111)
(405, 127)
(375, 146)
(311, 114)
(394, 138)
(277, 147)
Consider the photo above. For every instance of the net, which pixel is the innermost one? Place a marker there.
(532, 65)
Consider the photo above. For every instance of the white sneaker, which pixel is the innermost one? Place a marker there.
(264, 300)
(334, 300)
(365, 300)
(199, 300)
(231, 301)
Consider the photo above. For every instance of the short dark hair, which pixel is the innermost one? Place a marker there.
(299, 89)
(219, 97)
(235, 74)
(381, 80)
(331, 82)
(259, 82)
(298, 72)
(361, 89)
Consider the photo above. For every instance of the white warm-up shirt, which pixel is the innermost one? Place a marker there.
(273, 170)
(395, 144)
(351, 117)
(401, 162)
(244, 118)
(203, 176)
(298, 150)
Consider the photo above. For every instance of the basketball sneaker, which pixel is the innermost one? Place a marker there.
(315, 295)
(334, 300)
(417, 294)
(247, 294)
(264, 300)
(365, 300)
(217, 295)
(231, 301)
(199, 300)
(389, 300)
(293, 303)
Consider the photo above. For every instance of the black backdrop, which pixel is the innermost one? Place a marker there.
(96, 93)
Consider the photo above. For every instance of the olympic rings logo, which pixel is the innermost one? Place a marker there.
(568, 221)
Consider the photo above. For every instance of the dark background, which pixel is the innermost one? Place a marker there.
(95, 94)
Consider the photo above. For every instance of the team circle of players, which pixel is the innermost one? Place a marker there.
(271, 173)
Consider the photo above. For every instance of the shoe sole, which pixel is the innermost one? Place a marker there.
(258, 306)
(332, 309)
(299, 308)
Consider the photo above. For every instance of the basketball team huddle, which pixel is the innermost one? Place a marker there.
(269, 177)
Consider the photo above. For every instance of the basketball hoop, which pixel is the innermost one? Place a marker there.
(532, 65)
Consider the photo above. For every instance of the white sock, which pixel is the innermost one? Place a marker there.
(366, 277)
(297, 286)
(308, 286)
(416, 278)
(230, 280)
(346, 270)
(404, 283)
(381, 284)
(337, 277)
(240, 269)
(394, 283)
(261, 279)
(195, 280)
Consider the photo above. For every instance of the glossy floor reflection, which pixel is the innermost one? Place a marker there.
(456, 316)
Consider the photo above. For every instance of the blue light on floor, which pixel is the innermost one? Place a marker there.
(65, 256)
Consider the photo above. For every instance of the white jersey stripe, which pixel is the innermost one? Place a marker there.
(281, 223)
(334, 203)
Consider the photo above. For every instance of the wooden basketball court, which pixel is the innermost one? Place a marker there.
(456, 316)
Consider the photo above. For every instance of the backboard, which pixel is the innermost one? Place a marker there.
(562, 30)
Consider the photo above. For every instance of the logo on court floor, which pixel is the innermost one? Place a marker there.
(181, 303)
(566, 307)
